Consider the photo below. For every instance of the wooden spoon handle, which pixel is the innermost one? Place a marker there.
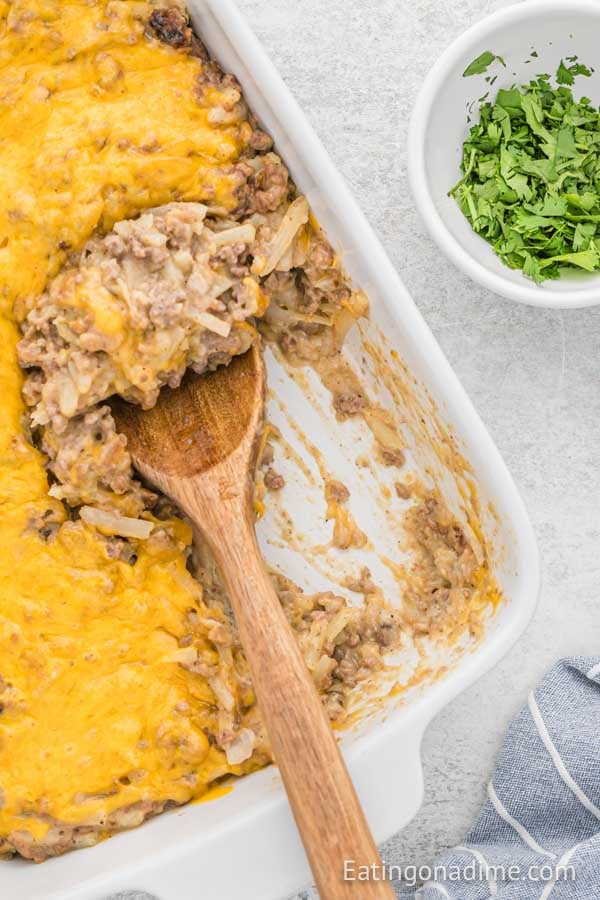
(328, 813)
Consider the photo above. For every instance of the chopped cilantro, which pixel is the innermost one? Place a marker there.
(531, 174)
(568, 74)
(482, 63)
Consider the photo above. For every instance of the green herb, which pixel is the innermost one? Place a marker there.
(482, 64)
(531, 175)
(567, 74)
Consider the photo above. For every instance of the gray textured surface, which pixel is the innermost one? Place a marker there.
(355, 66)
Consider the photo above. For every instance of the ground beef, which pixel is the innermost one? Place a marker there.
(337, 491)
(273, 480)
(308, 345)
(236, 256)
(170, 25)
(212, 75)
(262, 188)
(342, 645)
(321, 277)
(260, 140)
(392, 457)
(349, 404)
(119, 548)
(445, 572)
(91, 464)
(403, 491)
(363, 584)
(46, 525)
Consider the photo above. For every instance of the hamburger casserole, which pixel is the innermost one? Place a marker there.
(147, 226)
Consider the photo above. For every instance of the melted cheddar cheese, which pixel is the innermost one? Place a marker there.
(97, 122)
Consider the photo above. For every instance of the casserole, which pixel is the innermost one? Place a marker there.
(251, 824)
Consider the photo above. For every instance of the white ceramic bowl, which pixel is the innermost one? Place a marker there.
(555, 29)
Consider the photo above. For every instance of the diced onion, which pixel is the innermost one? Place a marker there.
(293, 220)
(224, 696)
(342, 323)
(213, 323)
(339, 622)
(183, 656)
(240, 748)
(113, 523)
(68, 398)
(240, 234)
(220, 284)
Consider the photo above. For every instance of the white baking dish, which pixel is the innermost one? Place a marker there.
(245, 842)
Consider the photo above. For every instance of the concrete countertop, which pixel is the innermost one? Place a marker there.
(534, 375)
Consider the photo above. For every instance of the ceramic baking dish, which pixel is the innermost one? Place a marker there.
(245, 841)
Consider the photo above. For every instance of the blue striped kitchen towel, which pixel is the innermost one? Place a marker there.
(538, 834)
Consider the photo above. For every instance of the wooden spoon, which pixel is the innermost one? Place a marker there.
(199, 446)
